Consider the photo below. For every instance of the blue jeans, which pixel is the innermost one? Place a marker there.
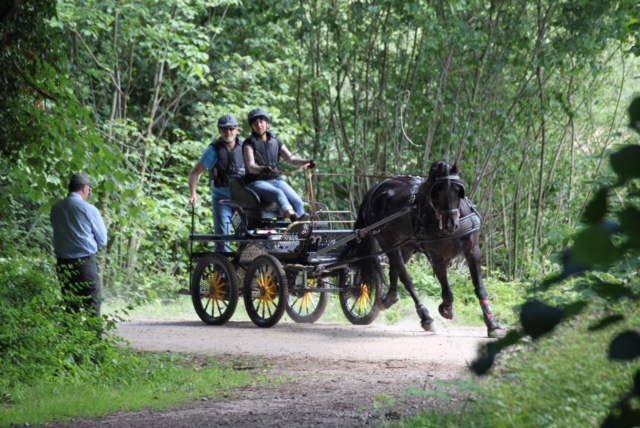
(221, 223)
(278, 191)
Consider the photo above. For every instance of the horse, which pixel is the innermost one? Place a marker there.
(438, 221)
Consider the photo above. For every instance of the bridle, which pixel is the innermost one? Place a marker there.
(450, 180)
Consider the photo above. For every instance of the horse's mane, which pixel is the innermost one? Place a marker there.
(441, 169)
(438, 169)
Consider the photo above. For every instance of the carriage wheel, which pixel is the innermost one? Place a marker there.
(306, 305)
(214, 289)
(265, 291)
(358, 301)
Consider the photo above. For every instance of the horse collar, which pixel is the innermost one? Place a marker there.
(468, 224)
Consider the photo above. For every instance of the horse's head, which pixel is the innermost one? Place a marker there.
(444, 192)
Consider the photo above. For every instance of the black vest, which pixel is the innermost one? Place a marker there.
(230, 162)
(265, 154)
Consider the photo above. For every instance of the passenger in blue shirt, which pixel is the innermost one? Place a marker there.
(222, 158)
(78, 232)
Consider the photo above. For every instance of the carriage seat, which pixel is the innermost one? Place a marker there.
(248, 202)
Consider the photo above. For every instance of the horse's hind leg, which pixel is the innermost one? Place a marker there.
(390, 298)
(493, 327)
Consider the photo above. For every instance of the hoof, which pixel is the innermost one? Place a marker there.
(429, 325)
(498, 333)
(446, 311)
(380, 305)
(386, 302)
(495, 330)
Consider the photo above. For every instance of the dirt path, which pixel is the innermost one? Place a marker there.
(342, 375)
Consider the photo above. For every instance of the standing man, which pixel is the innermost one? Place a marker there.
(78, 232)
(262, 152)
(222, 158)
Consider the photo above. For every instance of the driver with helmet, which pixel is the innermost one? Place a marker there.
(222, 158)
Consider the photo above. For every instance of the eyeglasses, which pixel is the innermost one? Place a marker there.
(228, 128)
(89, 188)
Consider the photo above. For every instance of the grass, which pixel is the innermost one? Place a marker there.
(157, 381)
(563, 380)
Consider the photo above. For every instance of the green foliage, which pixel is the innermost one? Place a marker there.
(610, 251)
(45, 134)
(39, 340)
(129, 92)
(563, 379)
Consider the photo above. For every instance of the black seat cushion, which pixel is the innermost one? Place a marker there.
(250, 201)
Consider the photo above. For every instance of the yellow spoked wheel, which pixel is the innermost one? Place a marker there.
(357, 300)
(265, 291)
(304, 304)
(214, 289)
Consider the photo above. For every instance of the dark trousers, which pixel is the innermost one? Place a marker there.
(80, 278)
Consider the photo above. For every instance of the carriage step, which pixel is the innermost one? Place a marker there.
(184, 291)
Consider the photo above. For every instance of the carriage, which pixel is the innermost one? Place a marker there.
(277, 266)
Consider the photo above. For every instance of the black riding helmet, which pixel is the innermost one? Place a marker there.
(227, 120)
(256, 113)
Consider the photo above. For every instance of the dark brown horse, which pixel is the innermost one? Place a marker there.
(439, 221)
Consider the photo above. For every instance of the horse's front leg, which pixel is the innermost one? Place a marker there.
(494, 329)
(440, 270)
(397, 263)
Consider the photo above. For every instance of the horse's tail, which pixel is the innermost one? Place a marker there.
(364, 250)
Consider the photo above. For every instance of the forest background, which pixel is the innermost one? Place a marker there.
(528, 97)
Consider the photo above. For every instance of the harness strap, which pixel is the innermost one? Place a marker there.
(467, 225)
(448, 177)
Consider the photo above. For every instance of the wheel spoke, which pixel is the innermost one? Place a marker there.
(306, 305)
(358, 301)
(266, 288)
(214, 289)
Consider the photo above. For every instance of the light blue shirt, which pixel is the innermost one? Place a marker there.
(209, 159)
(78, 228)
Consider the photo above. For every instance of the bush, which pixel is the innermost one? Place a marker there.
(39, 340)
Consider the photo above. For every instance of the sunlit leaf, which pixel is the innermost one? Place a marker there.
(593, 246)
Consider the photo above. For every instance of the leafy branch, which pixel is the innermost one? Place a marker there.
(610, 239)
